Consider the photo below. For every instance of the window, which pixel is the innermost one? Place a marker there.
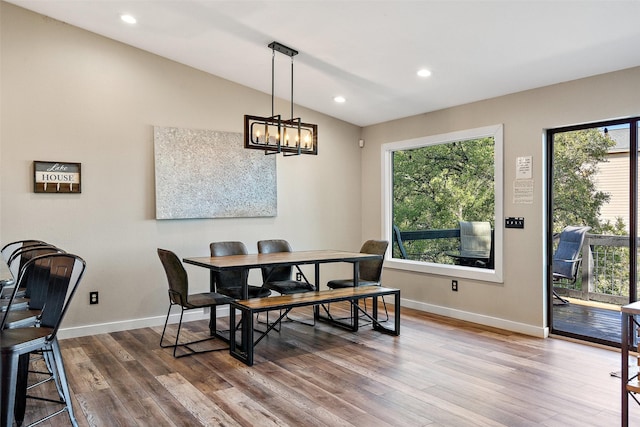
(433, 183)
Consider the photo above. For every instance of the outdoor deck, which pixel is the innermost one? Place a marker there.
(600, 322)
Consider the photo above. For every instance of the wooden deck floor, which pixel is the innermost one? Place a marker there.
(438, 372)
(601, 323)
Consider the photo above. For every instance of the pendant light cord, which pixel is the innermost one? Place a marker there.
(273, 59)
(273, 73)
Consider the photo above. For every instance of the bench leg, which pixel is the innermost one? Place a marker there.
(374, 317)
(244, 351)
(353, 326)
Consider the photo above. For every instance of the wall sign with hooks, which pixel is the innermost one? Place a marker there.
(56, 177)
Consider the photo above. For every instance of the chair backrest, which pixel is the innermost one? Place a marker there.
(371, 270)
(65, 274)
(10, 248)
(567, 254)
(275, 274)
(475, 239)
(62, 273)
(232, 279)
(35, 285)
(176, 276)
(23, 254)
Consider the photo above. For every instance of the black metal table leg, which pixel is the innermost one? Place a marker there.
(625, 368)
(316, 308)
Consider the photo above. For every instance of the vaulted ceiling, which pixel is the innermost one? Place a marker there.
(369, 51)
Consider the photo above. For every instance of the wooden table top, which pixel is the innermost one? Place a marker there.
(278, 258)
(308, 298)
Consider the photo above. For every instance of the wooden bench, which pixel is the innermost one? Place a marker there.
(285, 303)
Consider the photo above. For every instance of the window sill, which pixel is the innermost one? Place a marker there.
(456, 271)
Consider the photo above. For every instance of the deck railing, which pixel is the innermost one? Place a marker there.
(604, 270)
(401, 237)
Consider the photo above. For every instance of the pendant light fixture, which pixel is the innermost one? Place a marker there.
(273, 134)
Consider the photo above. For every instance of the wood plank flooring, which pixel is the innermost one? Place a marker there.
(438, 372)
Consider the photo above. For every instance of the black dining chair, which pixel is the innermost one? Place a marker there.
(179, 295)
(62, 274)
(369, 271)
(279, 279)
(231, 283)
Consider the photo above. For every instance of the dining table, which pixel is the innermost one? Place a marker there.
(245, 263)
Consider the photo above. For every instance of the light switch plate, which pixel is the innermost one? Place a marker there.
(514, 222)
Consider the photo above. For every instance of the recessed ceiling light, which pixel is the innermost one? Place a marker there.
(340, 99)
(128, 19)
(424, 72)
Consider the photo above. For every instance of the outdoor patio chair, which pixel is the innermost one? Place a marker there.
(566, 259)
(476, 245)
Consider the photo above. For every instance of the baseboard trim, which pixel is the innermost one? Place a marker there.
(193, 315)
(147, 322)
(494, 322)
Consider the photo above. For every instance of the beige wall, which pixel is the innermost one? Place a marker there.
(518, 303)
(69, 95)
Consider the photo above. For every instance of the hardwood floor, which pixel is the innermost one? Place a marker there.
(438, 372)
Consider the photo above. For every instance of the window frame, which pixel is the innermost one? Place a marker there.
(387, 149)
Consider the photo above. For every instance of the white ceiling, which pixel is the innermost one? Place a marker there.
(369, 51)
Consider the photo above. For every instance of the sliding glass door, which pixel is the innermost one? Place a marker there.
(592, 189)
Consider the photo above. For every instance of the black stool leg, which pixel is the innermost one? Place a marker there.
(62, 377)
(9, 371)
(21, 388)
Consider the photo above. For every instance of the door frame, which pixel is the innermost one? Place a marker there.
(633, 212)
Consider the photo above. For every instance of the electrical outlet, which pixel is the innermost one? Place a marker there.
(454, 285)
(298, 276)
(93, 297)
